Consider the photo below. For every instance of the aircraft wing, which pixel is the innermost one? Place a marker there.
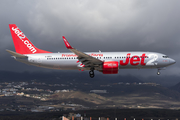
(84, 58)
(16, 54)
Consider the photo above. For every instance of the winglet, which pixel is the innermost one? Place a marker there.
(67, 43)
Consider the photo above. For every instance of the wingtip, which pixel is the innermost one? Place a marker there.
(68, 46)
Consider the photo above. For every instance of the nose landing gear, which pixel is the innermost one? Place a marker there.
(158, 72)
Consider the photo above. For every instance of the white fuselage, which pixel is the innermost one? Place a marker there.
(129, 60)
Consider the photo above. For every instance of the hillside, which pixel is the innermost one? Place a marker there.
(121, 91)
(176, 87)
(88, 99)
(138, 97)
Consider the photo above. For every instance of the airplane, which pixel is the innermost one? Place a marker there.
(105, 62)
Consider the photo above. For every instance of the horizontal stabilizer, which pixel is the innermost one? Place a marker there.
(16, 54)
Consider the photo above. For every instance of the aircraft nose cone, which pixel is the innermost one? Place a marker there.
(171, 61)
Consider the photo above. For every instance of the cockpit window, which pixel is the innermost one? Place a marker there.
(165, 56)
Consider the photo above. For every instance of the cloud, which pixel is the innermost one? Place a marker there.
(92, 25)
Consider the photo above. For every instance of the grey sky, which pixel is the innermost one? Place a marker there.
(119, 25)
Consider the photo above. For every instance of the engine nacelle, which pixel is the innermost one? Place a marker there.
(110, 67)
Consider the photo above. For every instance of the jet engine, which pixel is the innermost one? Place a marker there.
(110, 67)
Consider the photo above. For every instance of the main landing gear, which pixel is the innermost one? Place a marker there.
(91, 73)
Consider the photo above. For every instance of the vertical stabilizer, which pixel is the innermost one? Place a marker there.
(22, 44)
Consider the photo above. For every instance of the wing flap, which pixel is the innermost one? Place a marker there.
(85, 57)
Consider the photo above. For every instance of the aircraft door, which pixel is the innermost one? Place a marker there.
(39, 60)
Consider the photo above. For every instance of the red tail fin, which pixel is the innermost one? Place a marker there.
(22, 44)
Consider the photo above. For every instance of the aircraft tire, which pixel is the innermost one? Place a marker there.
(91, 73)
(158, 73)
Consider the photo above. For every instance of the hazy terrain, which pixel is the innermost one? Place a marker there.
(121, 91)
(79, 76)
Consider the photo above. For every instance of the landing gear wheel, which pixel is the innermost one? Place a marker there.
(158, 73)
(91, 73)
